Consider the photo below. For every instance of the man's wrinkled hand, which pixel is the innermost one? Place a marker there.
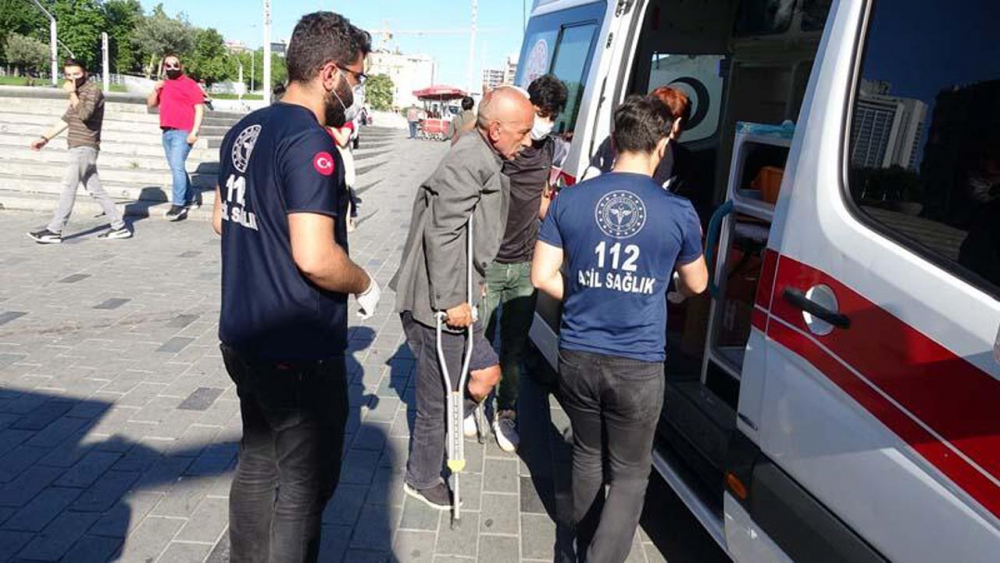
(368, 301)
(459, 316)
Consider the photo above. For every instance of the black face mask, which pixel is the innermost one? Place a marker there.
(79, 82)
(335, 110)
(173, 74)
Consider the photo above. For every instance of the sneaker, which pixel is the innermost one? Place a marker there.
(437, 497)
(469, 426)
(194, 202)
(176, 213)
(114, 234)
(45, 236)
(505, 428)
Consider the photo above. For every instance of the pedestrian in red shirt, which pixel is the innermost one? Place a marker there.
(182, 108)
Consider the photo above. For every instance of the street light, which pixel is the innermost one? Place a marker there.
(53, 39)
(267, 52)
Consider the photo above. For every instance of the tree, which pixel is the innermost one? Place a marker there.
(378, 92)
(122, 17)
(208, 58)
(158, 34)
(279, 72)
(80, 25)
(18, 16)
(26, 52)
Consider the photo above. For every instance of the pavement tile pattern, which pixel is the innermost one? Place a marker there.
(119, 427)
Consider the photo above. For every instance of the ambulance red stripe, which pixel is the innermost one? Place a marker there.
(946, 393)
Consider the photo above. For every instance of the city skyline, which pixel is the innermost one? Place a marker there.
(500, 28)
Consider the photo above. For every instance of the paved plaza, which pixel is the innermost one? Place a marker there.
(119, 427)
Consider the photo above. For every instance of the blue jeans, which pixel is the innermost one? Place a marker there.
(413, 129)
(176, 147)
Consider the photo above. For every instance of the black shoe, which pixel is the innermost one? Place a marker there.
(45, 236)
(437, 497)
(194, 202)
(176, 213)
(115, 234)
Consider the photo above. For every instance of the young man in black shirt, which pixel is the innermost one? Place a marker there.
(281, 210)
(508, 278)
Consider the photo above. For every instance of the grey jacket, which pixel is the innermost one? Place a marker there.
(432, 271)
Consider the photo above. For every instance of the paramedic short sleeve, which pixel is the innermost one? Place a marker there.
(308, 172)
(549, 233)
(690, 235)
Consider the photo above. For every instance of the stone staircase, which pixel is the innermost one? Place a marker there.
(132, 166)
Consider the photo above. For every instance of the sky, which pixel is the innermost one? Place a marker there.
(500, 22)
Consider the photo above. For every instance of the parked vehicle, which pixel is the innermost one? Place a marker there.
(837, 396)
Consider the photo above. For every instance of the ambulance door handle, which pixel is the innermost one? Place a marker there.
(798, 299)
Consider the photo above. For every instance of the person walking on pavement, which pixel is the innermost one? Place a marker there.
(84, 118)
(286, 276)
(463, 122)
(182, 109)
(413, 119)
(508, 278)
(432, 274)
(619, 237)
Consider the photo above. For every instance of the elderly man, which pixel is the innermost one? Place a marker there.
(432, 274)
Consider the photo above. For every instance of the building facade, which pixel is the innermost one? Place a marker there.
(407, 72)
(887, 130)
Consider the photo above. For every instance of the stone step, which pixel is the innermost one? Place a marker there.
(105, 160)
(45, 187)
(139, 136)
(10, 140)
(55, 171)
(112, 120)
(44, 204)
(135, 107)
(23, 121)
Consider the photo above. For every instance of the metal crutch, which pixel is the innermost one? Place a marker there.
(455, 399)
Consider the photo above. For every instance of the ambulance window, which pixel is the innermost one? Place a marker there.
(570, 65)
(924, 152)
(764, 17)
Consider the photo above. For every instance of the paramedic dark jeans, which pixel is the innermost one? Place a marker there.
(293, 435)
(613, 404)
(427, 448)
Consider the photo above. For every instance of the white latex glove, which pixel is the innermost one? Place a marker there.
(368, 300)
(676, 297)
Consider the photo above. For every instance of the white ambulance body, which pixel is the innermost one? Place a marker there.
(837, 396)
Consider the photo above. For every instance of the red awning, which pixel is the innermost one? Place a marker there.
(440, 92)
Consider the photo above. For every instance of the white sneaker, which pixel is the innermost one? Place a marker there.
(469, 427)
(505, 430)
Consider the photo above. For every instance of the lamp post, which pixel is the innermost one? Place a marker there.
(106, 78)
(53, 42)
(267, 52)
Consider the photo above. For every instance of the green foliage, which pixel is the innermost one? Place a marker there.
(378, 92)
(23, 18)
(159, 34)
(208, 60)
(122, 16)
(26, 53)
(80, 25)
(279, 72)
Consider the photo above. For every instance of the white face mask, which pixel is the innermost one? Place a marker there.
(542, 128)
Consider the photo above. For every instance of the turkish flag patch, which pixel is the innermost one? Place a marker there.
(323, 163)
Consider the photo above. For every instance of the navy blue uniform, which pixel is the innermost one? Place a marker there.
(622, 235)
(276, 161)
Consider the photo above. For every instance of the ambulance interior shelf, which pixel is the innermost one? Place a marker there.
(737, 241)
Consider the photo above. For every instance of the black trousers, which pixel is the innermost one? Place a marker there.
(614, 405)
(294, 416)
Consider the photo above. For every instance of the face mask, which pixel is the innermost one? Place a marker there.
(79, 82)
(542, 128)
(173, 74)
(338, 116)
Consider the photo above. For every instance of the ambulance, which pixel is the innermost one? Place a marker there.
(835, 395)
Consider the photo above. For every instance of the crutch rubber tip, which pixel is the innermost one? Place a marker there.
(456, 523)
